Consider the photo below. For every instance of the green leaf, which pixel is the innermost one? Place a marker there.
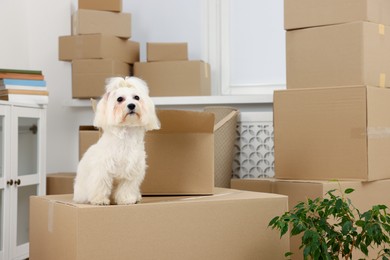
(349, 190)
(273, 221)
(288, 254)
(346, 227)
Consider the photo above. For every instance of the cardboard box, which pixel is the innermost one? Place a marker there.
(366, 195)
(89, 76)
(338, 55)
(229, 225)
(175, 78)
(308, 13)
(103, 5)
(110, 23)
(332, 133)
(60, 183)
(158, 51)
(180, 156)
(88, 135)
(97, 46)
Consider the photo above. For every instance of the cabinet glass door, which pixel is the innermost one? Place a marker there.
(27, 171)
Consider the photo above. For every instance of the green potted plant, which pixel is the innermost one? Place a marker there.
(332, 228)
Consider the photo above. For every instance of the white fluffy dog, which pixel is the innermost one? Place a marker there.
(113, 169)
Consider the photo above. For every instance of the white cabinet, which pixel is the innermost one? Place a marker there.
(22, 173)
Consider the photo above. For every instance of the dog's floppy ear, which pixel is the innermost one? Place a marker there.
(153, 121)
(100, 113)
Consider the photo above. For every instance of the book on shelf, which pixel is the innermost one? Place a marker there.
(25, 96)
(21, 71)
(22, 84)
(6, 75)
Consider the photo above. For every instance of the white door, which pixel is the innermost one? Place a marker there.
(27, 170)
(5, 181)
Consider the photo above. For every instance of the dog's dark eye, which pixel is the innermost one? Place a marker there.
(120, 99)
(136, 97)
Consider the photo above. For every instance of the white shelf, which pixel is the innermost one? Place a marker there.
(192, 100)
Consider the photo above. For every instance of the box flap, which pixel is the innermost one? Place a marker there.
(177, 121)
(219, 195)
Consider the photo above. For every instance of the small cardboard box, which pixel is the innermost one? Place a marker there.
(309, 13)
(103, 5)
(60, 183)
(110, 23)
(97, 46)
(175, 78)
(89, 76)
(180, 156)
(366, 195)
(229, 225)
(332, 133)
(158, 51)
(338, 55)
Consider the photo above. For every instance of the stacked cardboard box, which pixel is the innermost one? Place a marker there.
(331, 122)
(99, 46)
(168, 71)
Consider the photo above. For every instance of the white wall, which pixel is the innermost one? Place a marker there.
(29, 40)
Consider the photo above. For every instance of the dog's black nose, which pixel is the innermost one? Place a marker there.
(131, 106)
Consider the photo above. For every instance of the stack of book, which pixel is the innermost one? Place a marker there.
(23, 86)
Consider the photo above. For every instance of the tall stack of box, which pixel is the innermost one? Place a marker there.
(332, 121)
(99, 46)
(168, 71)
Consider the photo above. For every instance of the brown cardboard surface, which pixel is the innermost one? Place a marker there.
(308, 13)
(60, 183)
(175, 78)
(338, 55)
(88, 135)
(89, 76)
(366, 195)
(103, 5)
(98, 46)
(180, 156)
(159, 51)
(231, 224)
(110, 23)
(332, 133)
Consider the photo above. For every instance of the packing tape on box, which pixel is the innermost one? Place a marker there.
(382, 80)
(50, 216)
(378, 132)
(381, 29)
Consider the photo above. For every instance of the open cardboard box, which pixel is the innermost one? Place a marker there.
(229, 225)
(180, 156)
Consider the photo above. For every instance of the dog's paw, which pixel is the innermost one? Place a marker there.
(100, 202)
(131, 199)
